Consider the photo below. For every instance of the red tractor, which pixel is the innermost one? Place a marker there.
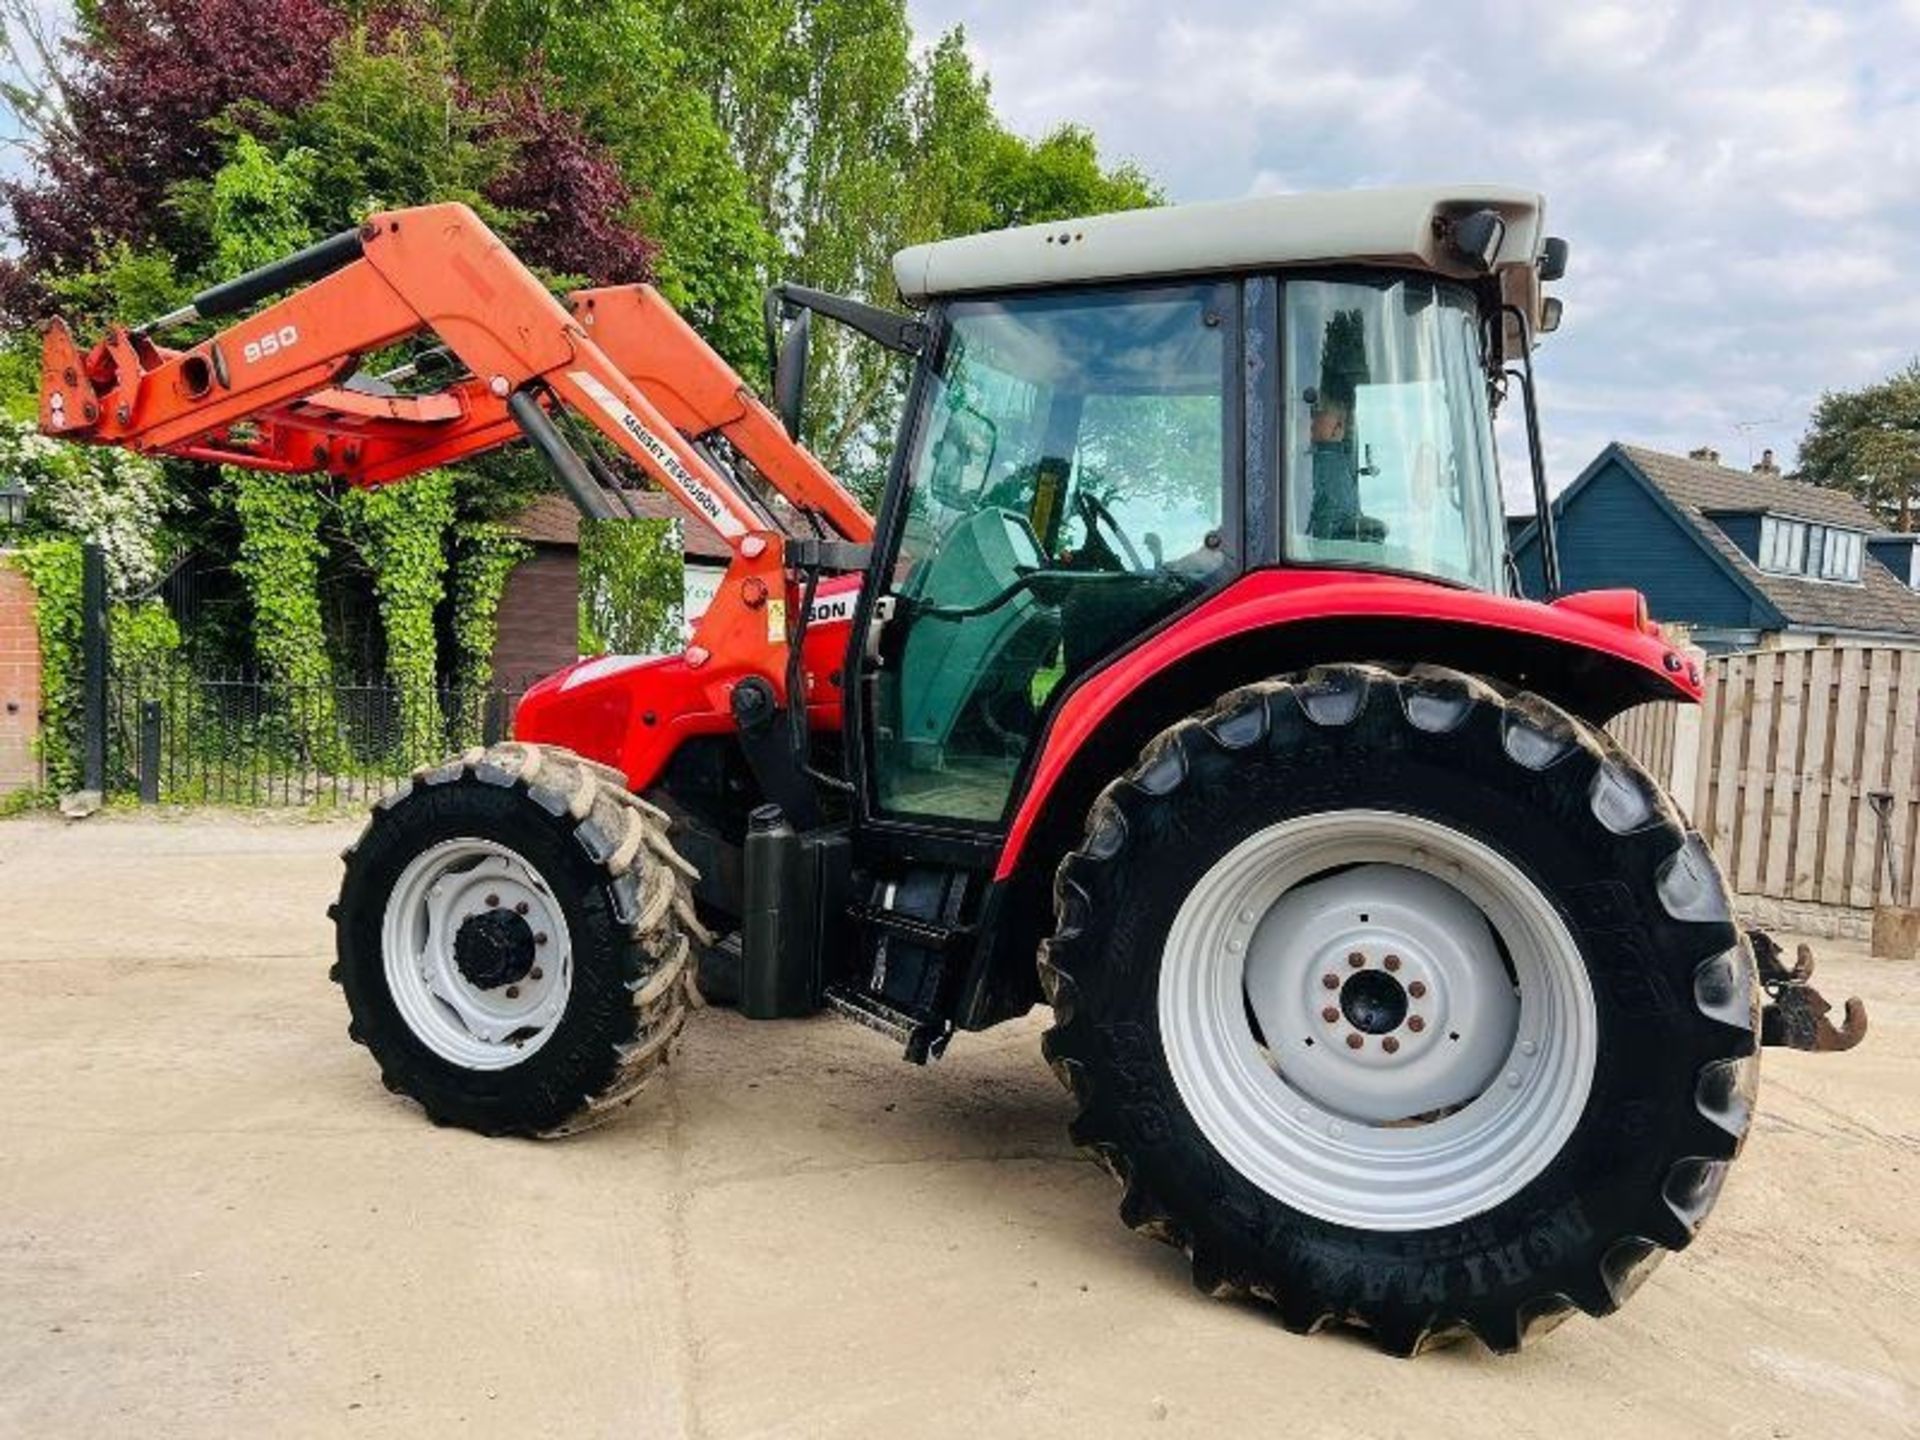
(1183, 684)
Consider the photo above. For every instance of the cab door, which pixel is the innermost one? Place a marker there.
(1064, 489)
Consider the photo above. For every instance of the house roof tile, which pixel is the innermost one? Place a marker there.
(1717, 489)
(1880, 603)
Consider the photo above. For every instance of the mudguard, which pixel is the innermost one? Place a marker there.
(1610, 626)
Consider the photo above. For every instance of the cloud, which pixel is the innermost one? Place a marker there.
(1740, 183)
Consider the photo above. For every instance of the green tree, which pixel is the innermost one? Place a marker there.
(1867, 442)
(969, 173)
(621, 69)
(127, 285)
(401, 533)
(258, 205)
(857, 148)
(395, 125)
(631, 586)
(279, 560)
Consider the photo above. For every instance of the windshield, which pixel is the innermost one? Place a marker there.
(1066, 490)
(1390, 458)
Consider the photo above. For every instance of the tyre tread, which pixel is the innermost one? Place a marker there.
(647, 882)
(1432, 699)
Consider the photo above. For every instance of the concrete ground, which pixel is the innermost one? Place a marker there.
(213, 1221)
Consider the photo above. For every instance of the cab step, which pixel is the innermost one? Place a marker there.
(921, 1039)
(929, 934)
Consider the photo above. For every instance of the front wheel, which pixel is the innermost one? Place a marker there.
(513, 936)
(1401, 1003)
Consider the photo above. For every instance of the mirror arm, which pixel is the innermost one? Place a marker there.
(902, 334)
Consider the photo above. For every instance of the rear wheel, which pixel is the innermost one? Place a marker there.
(513, 941)
(1401, 1003)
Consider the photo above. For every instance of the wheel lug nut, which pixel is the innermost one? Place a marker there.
(541, 938)
(1331, 981)
(1354, 1042)
(538, 974)
(1417, 989)
(492, 900)
(1330, 1014)
(513, 992)
(1392, 962)
(1356, 960)
(520, 907)
(1390, 1045)
(1416, 1024)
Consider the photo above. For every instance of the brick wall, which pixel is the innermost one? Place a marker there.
(19, 681)
(539, 617)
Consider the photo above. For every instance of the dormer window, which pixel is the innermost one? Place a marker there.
(1817, 552)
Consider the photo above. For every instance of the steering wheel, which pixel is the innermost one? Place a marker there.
(1095, 512)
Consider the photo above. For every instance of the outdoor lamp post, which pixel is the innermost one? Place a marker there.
(13, 504)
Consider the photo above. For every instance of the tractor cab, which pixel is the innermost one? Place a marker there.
(1076, 470)
(1114, 426)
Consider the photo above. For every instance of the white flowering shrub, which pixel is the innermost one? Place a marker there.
(112, 497)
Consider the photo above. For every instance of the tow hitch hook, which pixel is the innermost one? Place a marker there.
(1796, 1013)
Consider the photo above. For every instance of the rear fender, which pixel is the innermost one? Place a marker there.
(1595, 653)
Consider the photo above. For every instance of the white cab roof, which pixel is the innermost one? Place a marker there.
(1366, 227)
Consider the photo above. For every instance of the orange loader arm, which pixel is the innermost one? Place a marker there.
(281, 390)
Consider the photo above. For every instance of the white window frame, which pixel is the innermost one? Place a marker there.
(1811, 551)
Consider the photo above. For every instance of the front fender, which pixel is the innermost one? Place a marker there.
(1595, 653)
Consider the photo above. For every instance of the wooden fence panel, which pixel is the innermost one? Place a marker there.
(1901, 780)
(1646, 732)
(1875, 741)
(1791, 745)
(1730, 727)
(1843, 784)
(1748, 853)
(1815, 763)
(1783, 780)
(1788, 747)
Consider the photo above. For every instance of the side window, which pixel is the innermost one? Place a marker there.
(1389, 449)
(1066, 491)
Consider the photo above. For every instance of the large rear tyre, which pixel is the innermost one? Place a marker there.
(512, 935)
(1401, 1003)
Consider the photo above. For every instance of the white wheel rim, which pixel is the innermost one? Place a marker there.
(1427, 1131)
(475, 1026)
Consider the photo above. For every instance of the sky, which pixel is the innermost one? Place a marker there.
(1739, 182)
(1739, 179)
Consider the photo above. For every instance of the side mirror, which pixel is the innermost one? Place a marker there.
(790, 372)
(1550, 311)
(1553, 259)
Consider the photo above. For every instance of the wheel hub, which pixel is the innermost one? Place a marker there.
(1373, 1002)
(494, 948)
(1376, 1018)
(477, 954)
(1381, 992)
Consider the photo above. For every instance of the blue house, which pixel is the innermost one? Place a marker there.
(1745, 559)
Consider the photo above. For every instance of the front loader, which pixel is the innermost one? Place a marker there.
(1182, 683)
